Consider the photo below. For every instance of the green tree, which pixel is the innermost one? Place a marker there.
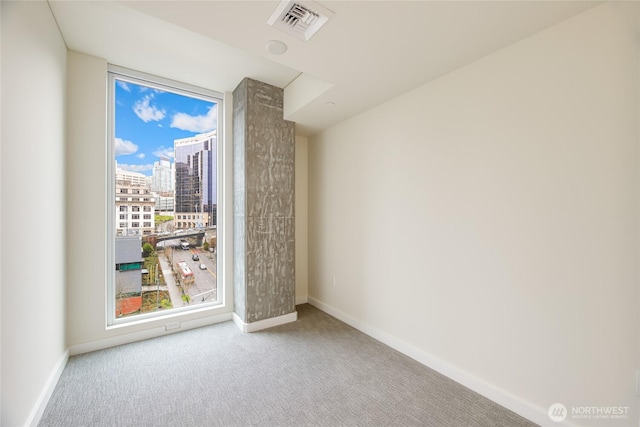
(205, 246)
(147, 249)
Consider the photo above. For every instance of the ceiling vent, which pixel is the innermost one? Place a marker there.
(299, 18)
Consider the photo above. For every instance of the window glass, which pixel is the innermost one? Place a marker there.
(164, 146)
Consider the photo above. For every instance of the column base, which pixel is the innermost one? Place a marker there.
(266, 323)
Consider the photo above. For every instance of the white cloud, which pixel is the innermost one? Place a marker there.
(123, 85)
(135, 168)
(164, 152)
(200, 124)
(140, 156)
(124, 147)
(146, 111)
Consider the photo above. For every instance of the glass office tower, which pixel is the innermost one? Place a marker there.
(196, 181)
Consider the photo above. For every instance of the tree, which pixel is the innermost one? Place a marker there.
(147, 249)
(205, 246)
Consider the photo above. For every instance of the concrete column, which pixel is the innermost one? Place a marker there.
(264, 236)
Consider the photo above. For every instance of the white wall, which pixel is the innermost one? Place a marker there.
(86, 219)
(33, 208)
(487, 223)
(301, 202)
(86, 198)
(87, 216)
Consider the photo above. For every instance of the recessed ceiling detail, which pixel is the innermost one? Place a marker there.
(299, 18)
(276, 47)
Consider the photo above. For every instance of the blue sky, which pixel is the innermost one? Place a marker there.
(148, 120)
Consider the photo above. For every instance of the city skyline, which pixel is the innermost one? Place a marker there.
(148, 120)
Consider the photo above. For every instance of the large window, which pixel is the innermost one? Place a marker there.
(163, 145)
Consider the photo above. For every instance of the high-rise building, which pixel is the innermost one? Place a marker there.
(163, 176)
(164, 203)
(135, 205)
(196, 181)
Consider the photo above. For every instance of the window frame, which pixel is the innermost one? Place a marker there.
(222, 303)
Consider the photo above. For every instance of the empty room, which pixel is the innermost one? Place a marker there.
(320, 213)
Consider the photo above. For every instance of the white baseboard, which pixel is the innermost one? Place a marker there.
(266, 323)
(146, 334)
(301, 300)
(525, 409)
(501, 397)
(45, 395)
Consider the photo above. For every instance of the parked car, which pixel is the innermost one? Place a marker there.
(195, 257)
(203, 267)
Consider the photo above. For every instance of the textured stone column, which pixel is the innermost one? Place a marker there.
(264, 240)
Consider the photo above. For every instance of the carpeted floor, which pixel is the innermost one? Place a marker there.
(317, 371)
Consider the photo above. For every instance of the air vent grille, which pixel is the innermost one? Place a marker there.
(301, 19)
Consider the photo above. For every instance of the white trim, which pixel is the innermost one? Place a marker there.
(148, 333)
(239, 323)
(519, 406)
(225, 192)
(266, 323)
(45, 395)
(224, 186)
(301, 300)
(162, 83)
